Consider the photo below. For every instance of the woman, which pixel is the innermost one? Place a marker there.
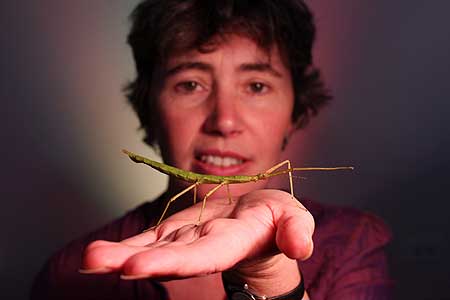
(220, 87)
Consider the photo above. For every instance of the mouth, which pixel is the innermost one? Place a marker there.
(220, 163)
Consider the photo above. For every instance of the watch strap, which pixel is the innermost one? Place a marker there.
(231, 289)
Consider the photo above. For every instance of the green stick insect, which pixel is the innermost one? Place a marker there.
(196, 179)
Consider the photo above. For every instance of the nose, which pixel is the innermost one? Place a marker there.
(223, 115)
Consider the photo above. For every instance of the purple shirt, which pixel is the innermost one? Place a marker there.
(349, 260)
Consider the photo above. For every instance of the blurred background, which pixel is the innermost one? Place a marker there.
(65, 121)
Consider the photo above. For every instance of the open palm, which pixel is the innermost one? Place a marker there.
(244, 234)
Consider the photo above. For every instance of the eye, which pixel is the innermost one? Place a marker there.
(258, 88)
(187, 86)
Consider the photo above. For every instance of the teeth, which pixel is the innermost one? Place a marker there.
(220, 161)
(226, 162)
(217, 161)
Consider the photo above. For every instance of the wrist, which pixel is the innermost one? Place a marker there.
(245, 292)
(271, 277)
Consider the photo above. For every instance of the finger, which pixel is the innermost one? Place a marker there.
(212, 252)
(142, 239)
(157, 233)
(104, 257)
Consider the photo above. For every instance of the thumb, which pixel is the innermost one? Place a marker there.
(295, 227)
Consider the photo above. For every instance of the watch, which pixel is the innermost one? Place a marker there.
(235, 292)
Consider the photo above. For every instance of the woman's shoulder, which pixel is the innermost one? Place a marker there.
(346, 224)
(349, 253)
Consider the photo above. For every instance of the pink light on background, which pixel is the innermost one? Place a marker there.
(321, 142)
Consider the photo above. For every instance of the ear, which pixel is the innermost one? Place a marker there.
(287, 136)
(290, 130)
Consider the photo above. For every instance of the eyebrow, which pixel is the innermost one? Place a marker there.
(188, 66)
(260, 67)
(246, 67)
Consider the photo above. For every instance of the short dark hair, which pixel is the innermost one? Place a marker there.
(161, 28)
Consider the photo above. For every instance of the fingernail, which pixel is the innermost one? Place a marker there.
(133, 277)
(95, 271)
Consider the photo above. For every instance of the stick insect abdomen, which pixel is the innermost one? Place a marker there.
(227, 179)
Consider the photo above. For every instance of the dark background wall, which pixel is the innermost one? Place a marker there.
(64, 122)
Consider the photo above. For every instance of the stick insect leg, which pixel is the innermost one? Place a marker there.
(277, 166)
(229, 194)
(195, 194)
(206, 197)
(291, 185)
(194, 186)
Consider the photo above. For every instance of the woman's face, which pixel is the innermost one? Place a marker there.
(225, 112)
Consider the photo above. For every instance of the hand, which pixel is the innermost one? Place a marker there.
(248, 234)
